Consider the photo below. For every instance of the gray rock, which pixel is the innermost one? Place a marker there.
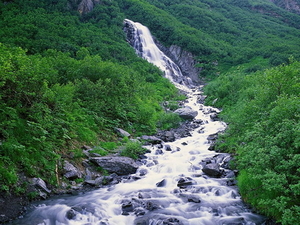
(151, 139)
(116, 164)
(40, 184)
(71, 172)
(121, 132)
(186, 113)
(184, 182)
(212, 170)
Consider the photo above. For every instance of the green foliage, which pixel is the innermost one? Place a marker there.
(263, 111)
(225, 32)
(168, 121)
(100, 151)
(133, 149)
(78, 79)
(69, 93)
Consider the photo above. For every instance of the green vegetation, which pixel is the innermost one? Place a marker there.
(263, 112)
(69, 78)
(75, 82)
(133, 149)
(227, 33)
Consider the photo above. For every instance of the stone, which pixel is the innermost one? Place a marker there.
(151, 139)
(212, 170)
(40, 184)
(184, 182)
(168, 148)
(214, 117)
(162, 183)
(122, 133)
(186, 113)
(71, 172)
(116, 164)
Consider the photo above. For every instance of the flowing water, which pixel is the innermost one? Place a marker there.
(172, 189)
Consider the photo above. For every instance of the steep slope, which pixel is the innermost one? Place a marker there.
(290, 5)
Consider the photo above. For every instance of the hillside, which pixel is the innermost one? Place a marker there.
(68, 78)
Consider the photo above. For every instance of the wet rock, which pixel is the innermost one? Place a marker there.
(214, 117)
(116, 164)
(169, 136)
(184, 182)
(152, 139)
(161, 183)
(127, 207)
(212, 170)
(139, 211)
(172, 221)
(186, 113)
(71, 172)
(212, 137)
(231, 182)
(198, 121)
(212, 147)
(192, 198)
(201, 99)
(40, 184)
(168, 148)
(71, 214)
(142, 172)
(159, 152)
(150, 205)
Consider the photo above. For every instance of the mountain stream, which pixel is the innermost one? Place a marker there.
(173, 189)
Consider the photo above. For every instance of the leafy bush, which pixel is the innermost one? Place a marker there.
(168, 121)
(264, 131)
(133, 149)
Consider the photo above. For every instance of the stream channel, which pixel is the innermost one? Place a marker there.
(172, 189)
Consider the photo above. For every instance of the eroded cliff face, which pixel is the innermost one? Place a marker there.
(183, 59)
(290, 5)
(186, 61)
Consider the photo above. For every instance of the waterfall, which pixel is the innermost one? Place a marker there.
(144, 45)
(171, 186)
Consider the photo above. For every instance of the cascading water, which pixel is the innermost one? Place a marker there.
(172, 188)
(146, 48)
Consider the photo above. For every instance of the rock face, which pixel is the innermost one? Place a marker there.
(290, 5)
(71, 172)
(116, 164)
(84, 6)
(185, 60)
(186, 113)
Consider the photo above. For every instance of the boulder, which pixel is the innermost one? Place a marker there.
(116, 164)
(184, 182)
(122, 133)
(71, 172)
(212, 170)
(40, 184)
(151, 139)
(186, 113)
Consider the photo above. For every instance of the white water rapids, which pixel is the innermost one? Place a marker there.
(156, 196)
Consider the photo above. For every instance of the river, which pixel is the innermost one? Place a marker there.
(173, 189)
